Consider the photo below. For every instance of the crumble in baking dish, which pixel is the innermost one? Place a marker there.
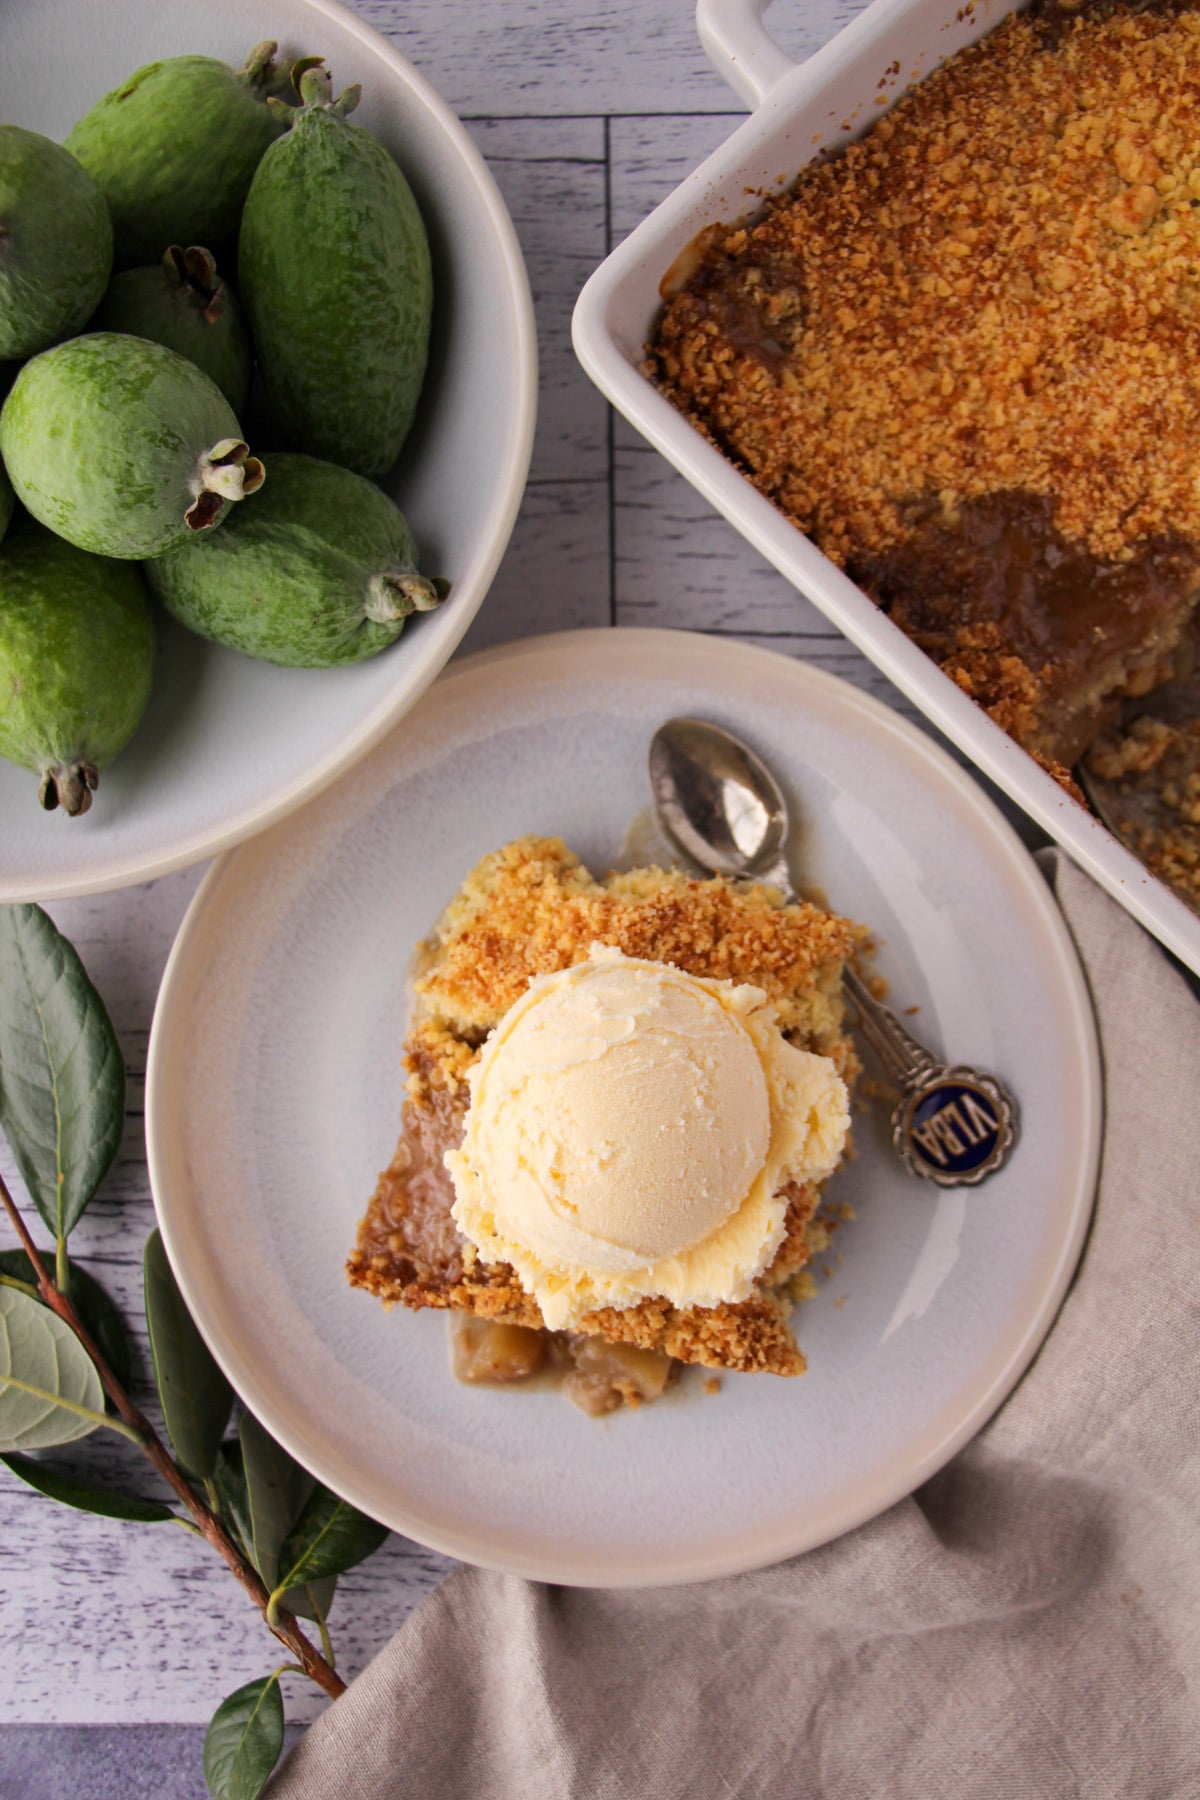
(961, 354)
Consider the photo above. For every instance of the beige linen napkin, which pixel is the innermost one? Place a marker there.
(1026, 1625)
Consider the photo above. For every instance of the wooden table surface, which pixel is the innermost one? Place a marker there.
(588, 115)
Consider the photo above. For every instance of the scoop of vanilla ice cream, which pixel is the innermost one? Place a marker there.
(629, 1128)
(620, 1112)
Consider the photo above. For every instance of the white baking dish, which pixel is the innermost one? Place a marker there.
(800, 109)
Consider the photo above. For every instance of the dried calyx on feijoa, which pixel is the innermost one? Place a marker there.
(334, 271)
(320, 570)
(184, 303)
(123, 447)
(76, 659)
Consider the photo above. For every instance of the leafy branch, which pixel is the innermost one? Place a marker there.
(65, 1364)
(138, 1426)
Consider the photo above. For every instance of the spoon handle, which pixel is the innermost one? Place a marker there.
(952, 1126)
(904, 1059)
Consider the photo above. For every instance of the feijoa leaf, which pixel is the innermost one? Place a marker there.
(313, 1600)
(87, 1496)
(195, 1397)
(243, 1741)
(62, 1076)
(229, 1479)
(48, 1383)
(276, 1491)
(91, 1303)
(329, 1537)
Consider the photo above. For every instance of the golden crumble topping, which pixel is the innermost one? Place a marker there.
(531, 908)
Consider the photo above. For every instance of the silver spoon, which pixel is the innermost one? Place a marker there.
(719, 804)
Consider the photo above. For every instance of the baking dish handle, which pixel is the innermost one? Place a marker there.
(739, 47)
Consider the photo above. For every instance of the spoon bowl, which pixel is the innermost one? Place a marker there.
(716, 800)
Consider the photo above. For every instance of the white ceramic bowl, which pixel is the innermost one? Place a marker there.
(230, 745)
(801, 110)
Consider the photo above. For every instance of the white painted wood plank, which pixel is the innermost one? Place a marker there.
(112, 1634)
(511, 59)
(652, 154)
(555, 574)
(552, 174)
(681, 564)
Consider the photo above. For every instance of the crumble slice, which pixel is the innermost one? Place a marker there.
(532, 908)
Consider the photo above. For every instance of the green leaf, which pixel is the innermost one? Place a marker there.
(229, 1480)
(47, 1381)
(329, 1537)
(86, 1495)
(277, 1490)
(196, 1399)
(62, 1077)
(90, 1302)
(243, 1742)
(312, 1601)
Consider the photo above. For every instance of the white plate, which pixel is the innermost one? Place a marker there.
(229, 745)
(274, 1091)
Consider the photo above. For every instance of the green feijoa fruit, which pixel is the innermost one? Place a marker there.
(76, 661)
(320, 570)
(56, 244)
(334, 273)
(123, 447)
(7, 501)
(183, 303)
(174, 149)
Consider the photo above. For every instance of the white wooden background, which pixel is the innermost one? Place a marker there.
(589, 112)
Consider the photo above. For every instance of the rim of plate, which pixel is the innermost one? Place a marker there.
(125, 871)
(887, 1486)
